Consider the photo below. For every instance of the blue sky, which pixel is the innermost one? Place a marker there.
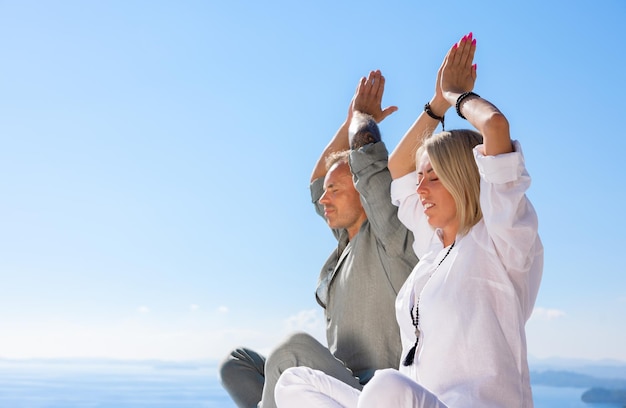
(155, 159)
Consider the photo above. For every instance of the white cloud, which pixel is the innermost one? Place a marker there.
(194, 308)
(547, 314)
(143, 309)
(311, 321)
(222, 309)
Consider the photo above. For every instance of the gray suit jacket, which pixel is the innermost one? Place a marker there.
(359, 282)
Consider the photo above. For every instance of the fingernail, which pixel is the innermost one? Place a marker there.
(464, 38)
(455, 46)
(475, 66)
(474, 41)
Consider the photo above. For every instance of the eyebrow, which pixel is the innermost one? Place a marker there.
(332, 185)
(427, 171)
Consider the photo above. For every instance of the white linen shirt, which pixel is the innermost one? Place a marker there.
(473, 309)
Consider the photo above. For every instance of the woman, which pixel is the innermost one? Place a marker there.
(463, 309)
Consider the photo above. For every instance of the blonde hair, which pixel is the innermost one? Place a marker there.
(452, 159)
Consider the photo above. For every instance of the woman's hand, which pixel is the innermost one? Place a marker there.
(459, 72)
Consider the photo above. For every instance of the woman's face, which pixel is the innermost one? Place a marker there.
(439, 206)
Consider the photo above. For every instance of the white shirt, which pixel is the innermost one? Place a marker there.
(473, 309)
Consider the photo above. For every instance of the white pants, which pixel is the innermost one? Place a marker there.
(302, 387)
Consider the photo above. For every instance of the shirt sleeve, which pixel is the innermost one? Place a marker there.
(509, 216)
(373, 182)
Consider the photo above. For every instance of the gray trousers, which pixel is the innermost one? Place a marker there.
(250, 378)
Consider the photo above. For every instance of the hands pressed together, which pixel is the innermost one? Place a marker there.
(454, 85)
(458, 70)
(368, 97)
(456, 75)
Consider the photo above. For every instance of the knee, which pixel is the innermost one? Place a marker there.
(237, 360)
(295, 344)
(229, 364)
(291, 351)
(385, 377)
(390, 387)
(386, 382)
(299, 338)
(294, 376)
(291, 384)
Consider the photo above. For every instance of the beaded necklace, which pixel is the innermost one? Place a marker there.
(415, 318)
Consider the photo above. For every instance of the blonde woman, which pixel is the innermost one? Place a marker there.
(463, 309)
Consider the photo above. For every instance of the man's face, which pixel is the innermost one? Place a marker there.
(341, 201)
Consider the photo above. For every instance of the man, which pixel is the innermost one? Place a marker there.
(350, 187)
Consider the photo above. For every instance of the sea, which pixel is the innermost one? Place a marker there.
(143, 384)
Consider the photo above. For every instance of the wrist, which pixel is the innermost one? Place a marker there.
(436, 109)
(363, 130)
(439, 106)
(451, 97)
(461, 99)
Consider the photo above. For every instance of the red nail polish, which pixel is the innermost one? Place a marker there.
(455, 46)
(474, 41)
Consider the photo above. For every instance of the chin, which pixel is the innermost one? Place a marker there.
(431, 222)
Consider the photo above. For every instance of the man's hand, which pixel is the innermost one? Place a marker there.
(369, 95)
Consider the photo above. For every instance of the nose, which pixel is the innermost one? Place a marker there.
(324, 198)
(421, 186)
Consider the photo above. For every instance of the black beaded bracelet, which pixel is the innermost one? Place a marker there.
(463, 96)
(430, 113)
